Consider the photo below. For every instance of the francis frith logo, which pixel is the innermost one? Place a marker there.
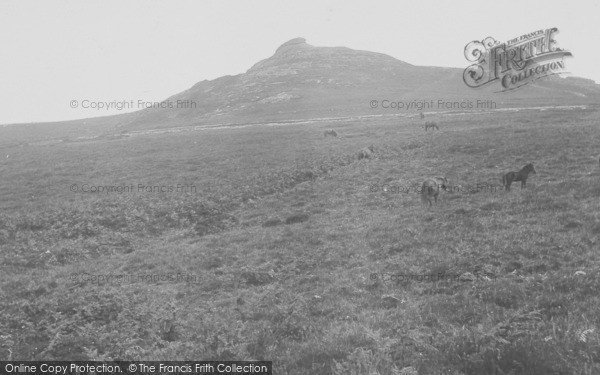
(515, 63)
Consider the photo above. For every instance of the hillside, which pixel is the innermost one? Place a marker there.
(291, 249)
(301, 81)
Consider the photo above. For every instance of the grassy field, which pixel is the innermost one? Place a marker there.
(282, 246)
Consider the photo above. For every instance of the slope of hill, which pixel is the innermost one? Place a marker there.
(301, 81)
(291, 249)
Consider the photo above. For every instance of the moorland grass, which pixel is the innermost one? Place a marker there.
(341, 291)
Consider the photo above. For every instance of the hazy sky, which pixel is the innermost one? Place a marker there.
(52, 52)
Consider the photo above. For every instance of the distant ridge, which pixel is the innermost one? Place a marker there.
(301, 81)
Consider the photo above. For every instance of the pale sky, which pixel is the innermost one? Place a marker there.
(53, 52)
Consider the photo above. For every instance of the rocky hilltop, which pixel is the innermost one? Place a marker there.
(301, 81)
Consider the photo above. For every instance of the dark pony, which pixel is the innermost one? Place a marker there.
(330, 132)
(431, 124)
(521, 175)
(366, 153)
(431, 188)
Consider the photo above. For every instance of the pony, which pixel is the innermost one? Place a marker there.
(431, 189)
(521, 175)
(431, 124)
(330, 132)
(366, 153)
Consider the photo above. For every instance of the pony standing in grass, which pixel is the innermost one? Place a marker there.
(431, 189)
(366, 153)
(521, 175)
(431, 124)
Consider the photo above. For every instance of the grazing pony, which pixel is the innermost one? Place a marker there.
(330, 132)
(431, 188)
(521, 175)
(366, 153)
(431, 124)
